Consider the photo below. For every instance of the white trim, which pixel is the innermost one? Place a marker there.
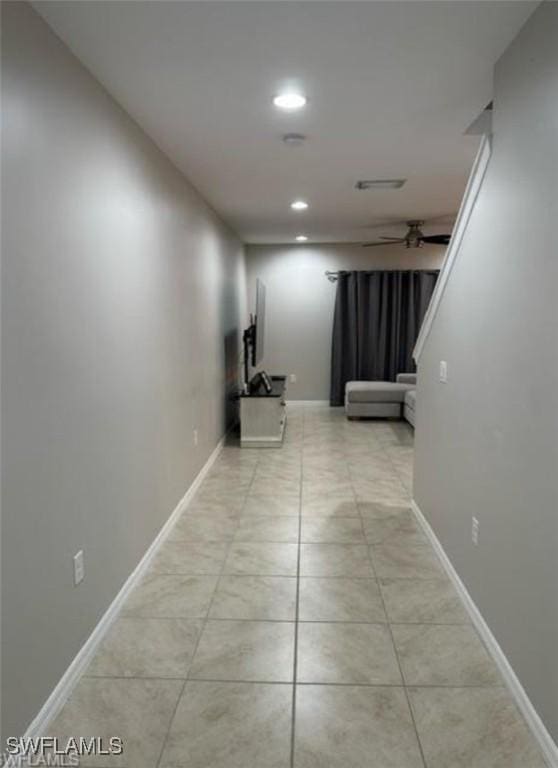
(467, 204)
(536, 725)
(67, 682)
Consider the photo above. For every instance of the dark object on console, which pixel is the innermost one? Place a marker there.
(261, 381)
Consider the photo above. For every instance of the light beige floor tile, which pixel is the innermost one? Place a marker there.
(210, 528)
(170, 596)
(398, 528)
(231, 725)
(281, 529)
(270, 486)
(407, 562)
(324, 463)
(354, 727)
(316, 475)
(227, 466)
(147, 648)
(335, 560)
(346, 653)
(364, 463)
(272, 506)
(373, 475)
(232, 455)
(231, 484)
(332, 531)
(390, 491)
(232, 469)
(422, 601)
(326, 454)
(137, 711)
(190, 558)
(245, 650)
(340, 600)
(472, 728)
(432, 654)
(381, 511)
(280, 460)
(218, 498)
(331, 487)
(255, 597)
(327, 506)
(289, 472)
(230, 508)
(262, 559)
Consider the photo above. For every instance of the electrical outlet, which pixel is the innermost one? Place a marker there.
(79, 567)
(443, 371)
(292, 378)
(195, 437)
(475, 527)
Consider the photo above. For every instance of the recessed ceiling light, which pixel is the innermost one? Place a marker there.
(289, 100)
(299, 205)
(301, 238)
(380, 184)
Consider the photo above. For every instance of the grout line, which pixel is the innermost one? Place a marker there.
(254, 681)
(302, 621)
(291, 576)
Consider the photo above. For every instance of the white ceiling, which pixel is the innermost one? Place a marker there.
(392, 87)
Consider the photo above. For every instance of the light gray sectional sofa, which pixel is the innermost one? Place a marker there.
(382, 399)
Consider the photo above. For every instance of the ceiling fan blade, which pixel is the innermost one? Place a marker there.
(436, 239)
(391, 242)
(385, 237)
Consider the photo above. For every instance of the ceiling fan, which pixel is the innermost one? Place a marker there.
(414, 238)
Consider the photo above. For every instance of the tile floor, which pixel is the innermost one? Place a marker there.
(297, 616)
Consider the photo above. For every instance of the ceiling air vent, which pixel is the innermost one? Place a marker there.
(380, 183)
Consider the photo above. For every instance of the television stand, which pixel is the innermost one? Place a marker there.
(263, 416)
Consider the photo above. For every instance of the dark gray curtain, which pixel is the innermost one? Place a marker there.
(376, 323)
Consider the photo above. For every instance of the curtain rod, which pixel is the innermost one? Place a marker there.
(333, 277)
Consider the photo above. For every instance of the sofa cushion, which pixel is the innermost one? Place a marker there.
(406, 378)
(410, 398)
(376, 391)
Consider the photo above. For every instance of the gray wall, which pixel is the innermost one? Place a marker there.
(487, 441)
(300, 302)
(121, 297)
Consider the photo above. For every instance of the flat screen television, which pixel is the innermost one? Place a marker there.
(254, 335)
(259, 325)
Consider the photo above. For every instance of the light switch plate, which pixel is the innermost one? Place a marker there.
(443, 371)
(79, 567)
(475, 528)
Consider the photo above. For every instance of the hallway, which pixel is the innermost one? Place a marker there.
(297, 615)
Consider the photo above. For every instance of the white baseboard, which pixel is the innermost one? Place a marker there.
(538, 729)
(66, 684)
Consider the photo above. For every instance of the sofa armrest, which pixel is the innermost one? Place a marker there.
(406, 378)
